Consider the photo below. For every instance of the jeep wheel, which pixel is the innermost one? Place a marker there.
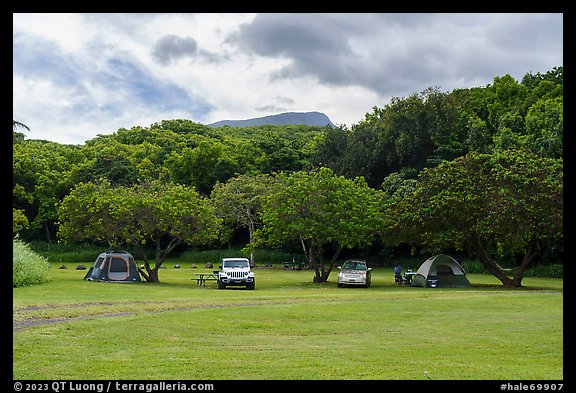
(251, 285)
(221, 285)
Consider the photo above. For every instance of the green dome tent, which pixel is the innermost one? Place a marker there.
(440, 271)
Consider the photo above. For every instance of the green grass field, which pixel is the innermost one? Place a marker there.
(288, 328)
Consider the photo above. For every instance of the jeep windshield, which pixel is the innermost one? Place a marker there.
(235, 263)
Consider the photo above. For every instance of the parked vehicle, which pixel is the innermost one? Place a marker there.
(354, 273)
(235, 272)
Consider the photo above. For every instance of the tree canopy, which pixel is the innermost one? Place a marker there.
(508, 202)
(322, 211)
(239, 202)
(163, 214)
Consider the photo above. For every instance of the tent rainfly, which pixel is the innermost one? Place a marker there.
(440, 271)
(114, 266)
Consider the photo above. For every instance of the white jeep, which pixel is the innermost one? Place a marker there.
(235, 272)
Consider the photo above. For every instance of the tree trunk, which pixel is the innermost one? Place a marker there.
(306, 256)
(533, 250)
(153, 275)
(47, 233)
(516, 282)
(321, 275)
(333, 262)
(311, 257)
(149, 274)
(251, 230)
(323, 270)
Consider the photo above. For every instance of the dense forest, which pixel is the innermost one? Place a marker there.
(390, 150)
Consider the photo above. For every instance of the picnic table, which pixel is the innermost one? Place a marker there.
(408, 277)
(295, 265)
(201, 278)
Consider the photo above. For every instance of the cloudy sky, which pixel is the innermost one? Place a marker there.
(79, 75)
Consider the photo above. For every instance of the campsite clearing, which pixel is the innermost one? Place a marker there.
(288, 327)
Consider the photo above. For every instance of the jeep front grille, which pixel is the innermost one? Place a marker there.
(236, 274)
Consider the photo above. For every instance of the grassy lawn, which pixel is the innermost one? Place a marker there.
(288, 328)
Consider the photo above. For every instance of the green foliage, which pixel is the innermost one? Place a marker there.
(425, 129)
(412, 132)
(549, 271)
(387, 148)
(505, 203)
(67, 252)
(239, 202)
(553, 271)
(320, 210)
(214, 256)
(19, 221)
(42, 173)
(202, 166)
(133, 215)
(17, 137)
(157, 213)
(545, 127)
(28, 268)
(396, 185)
(113, 163)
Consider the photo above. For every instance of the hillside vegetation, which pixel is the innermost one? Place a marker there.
(390, 149)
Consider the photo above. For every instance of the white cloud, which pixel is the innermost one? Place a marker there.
(78, 75)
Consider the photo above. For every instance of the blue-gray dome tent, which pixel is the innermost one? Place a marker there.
(114, 266)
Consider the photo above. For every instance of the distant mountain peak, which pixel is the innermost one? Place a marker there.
(286, 118)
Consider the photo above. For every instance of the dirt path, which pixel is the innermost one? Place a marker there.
(33, 321)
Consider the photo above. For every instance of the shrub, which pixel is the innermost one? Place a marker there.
(545, 271)
(67, 252)
(261, 256)
(552, 271)
(28, 268)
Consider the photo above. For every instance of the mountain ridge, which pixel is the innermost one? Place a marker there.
(313, 118)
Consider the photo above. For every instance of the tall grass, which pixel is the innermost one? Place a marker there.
(67, 252)
(28, 268)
